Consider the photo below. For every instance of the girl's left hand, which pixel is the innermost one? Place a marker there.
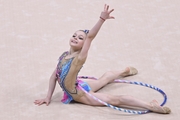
(106, 13)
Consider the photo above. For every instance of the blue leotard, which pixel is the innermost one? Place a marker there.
(67, 71)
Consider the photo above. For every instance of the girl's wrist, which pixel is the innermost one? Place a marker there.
(102, 19)
(48, 97)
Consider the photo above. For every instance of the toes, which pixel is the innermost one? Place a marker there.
(157, 108)
(133, 71)
(167, 110)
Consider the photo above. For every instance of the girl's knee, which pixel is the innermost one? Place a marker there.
(119, 100)
(108, 75)
(113, 100)
(110, 99)
(125, 98)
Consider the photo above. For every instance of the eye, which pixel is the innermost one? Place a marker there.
(80, 38)
(74, 36)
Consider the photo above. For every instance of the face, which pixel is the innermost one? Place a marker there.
(77, 40)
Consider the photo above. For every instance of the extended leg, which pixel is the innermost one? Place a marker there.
(123, 100)
(109, 77)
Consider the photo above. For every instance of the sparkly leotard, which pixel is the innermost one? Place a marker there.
(67, 71)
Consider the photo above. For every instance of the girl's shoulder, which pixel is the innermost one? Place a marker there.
(63, 55)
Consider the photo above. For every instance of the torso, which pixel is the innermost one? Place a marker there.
(67, 71)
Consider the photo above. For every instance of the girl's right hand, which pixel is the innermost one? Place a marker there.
(42, 101)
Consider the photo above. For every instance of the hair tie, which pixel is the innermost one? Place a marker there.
(86, 31)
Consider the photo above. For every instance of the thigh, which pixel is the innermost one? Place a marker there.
(106, 78)
(95, 85)
(86, 99)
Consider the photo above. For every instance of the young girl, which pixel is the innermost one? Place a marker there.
(70, 64)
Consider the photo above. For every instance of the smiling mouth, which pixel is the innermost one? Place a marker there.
(74, 41)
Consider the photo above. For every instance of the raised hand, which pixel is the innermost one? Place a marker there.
(106, 13)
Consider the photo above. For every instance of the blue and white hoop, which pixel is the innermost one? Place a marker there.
(129, 82)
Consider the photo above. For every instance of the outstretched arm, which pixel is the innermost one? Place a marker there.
(52, 85)
(93, 32)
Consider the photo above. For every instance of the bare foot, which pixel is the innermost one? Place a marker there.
(129, 71)
(159, 109)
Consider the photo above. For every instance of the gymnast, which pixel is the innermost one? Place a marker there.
(70, 63)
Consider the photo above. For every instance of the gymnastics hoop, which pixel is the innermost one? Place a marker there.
(129, 82)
